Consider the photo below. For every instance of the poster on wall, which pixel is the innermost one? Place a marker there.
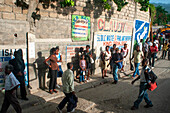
(111, 32)
(141, 30)
(72, 51)
(5, 56)
(80, 28)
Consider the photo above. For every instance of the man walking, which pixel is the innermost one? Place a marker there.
(68, 89)
(11, 84)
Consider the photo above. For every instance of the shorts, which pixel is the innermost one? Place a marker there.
(105, 66)
(124, 61)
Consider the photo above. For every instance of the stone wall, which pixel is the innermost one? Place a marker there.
(54, 27)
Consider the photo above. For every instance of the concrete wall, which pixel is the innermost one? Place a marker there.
(54, 27)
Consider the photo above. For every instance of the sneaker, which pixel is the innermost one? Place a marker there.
(134, 108)
(58, 109)
(58, 86)
(148, 106)
(152, 67)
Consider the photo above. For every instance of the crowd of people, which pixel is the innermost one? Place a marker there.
(111, 59)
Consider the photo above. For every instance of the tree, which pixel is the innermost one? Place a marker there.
(161, 16)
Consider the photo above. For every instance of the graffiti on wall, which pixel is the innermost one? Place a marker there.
(112, 32)
(114, 26)
(5, 56)
(80, 28)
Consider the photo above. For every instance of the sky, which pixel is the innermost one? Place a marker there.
(160, 1)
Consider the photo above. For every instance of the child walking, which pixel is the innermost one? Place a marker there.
(11, 84)
(83, 69)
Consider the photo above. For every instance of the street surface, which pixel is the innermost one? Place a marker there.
(111, 98)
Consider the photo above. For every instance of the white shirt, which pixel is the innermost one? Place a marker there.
(140, 45)
(10, 81)
(157, 43)
(108, 55)
(124, 51)
(142, 75)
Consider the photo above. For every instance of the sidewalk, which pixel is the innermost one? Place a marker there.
(43, 96)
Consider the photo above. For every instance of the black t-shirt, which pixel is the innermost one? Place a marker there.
(87, 56)
(116, 57)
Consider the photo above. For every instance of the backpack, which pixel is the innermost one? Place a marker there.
(150, 76)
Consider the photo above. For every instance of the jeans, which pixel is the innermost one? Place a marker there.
(81, 76)
(164, 54)
(115, 70)
(153, 56)
(136, 69)
(72, 102)
(53, 79)
(142, 95)
(60, 73)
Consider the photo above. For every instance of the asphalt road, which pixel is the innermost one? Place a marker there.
(120, 97)
(111, 98)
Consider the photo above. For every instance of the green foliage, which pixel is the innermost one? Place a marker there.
(106, 4)
(168, 17)
(144, 4)
(120, 4)
(66, 3)
(161, 17)
(152, 11)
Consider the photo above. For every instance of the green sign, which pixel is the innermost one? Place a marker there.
(80, 28)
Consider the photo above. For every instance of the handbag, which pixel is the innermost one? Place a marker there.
(153, 86)
(91, 60)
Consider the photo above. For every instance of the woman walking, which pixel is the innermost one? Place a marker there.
(137, 55)
(53, 70)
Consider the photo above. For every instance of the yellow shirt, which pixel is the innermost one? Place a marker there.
(165, 47)
(138, 56)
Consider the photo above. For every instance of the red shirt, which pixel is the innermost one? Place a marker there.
(153, 49)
